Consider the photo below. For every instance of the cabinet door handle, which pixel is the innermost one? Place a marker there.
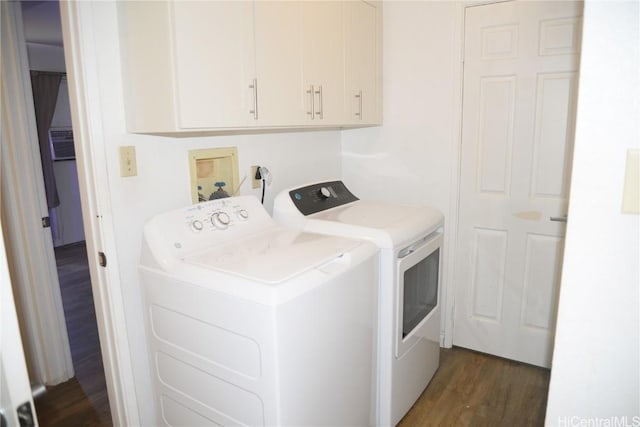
(254, 86)
(320, 111)
(558, 218)
(359, 98)
(312, 101)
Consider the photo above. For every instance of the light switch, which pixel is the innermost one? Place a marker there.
(631, 194)
(128, 165)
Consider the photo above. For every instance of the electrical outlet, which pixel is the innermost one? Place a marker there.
(255, 183)
(128, 165)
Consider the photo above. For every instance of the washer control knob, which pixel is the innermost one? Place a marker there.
(220, 220)
(324, 193)
(242, 214)
(196, 225)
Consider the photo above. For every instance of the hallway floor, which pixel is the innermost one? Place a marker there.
(81, 401)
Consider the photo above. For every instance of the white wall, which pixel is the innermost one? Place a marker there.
(162, 182)
(412, 158)
(408, 159)
(596, 362)
(66, 218)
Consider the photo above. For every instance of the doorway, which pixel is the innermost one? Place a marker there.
(83, 398)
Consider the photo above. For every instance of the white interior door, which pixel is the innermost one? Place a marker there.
(23, 206)
(15, 390)
(519, 95)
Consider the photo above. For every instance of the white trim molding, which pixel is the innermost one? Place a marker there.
(84, 98)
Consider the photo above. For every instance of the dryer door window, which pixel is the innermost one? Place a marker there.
(420, 294)
(418, 312)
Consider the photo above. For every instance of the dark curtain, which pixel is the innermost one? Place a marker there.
(45, 87)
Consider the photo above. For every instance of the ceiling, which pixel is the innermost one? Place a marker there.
(42, 22)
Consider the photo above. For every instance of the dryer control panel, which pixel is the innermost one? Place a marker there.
(321, 196)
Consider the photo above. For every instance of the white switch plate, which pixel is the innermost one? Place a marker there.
(631, 194)
(128, 165)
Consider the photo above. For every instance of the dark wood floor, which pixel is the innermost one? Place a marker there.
(81, 401)
(469, 388)
(476, 389)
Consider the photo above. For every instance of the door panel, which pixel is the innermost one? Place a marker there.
(519, 94)
(552, 141)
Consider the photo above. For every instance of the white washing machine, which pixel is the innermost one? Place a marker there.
(410, 239)
(250, 323)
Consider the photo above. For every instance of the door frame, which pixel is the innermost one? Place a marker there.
(29, 246)
(84, 100)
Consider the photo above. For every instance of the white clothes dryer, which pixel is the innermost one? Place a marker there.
(410, 239)
(251, 323)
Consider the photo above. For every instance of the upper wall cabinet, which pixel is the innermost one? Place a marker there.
(229, 65)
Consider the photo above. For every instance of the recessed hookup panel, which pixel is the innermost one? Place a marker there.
(214, 173)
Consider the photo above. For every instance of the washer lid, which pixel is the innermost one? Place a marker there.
(275, 255)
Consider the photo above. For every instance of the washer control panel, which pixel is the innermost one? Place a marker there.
(321, 196)
(217, 214)
(192, 229)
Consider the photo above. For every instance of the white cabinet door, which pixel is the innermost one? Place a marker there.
(300, 64)
(520, 88)
(323, 62)
(213, 60)
(278, 63)
(362, 68)
(187, 64)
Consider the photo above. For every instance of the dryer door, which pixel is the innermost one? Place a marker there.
(418, 287)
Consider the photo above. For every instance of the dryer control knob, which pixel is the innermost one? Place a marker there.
(242, 214)
(324, 193)
(220, 220)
